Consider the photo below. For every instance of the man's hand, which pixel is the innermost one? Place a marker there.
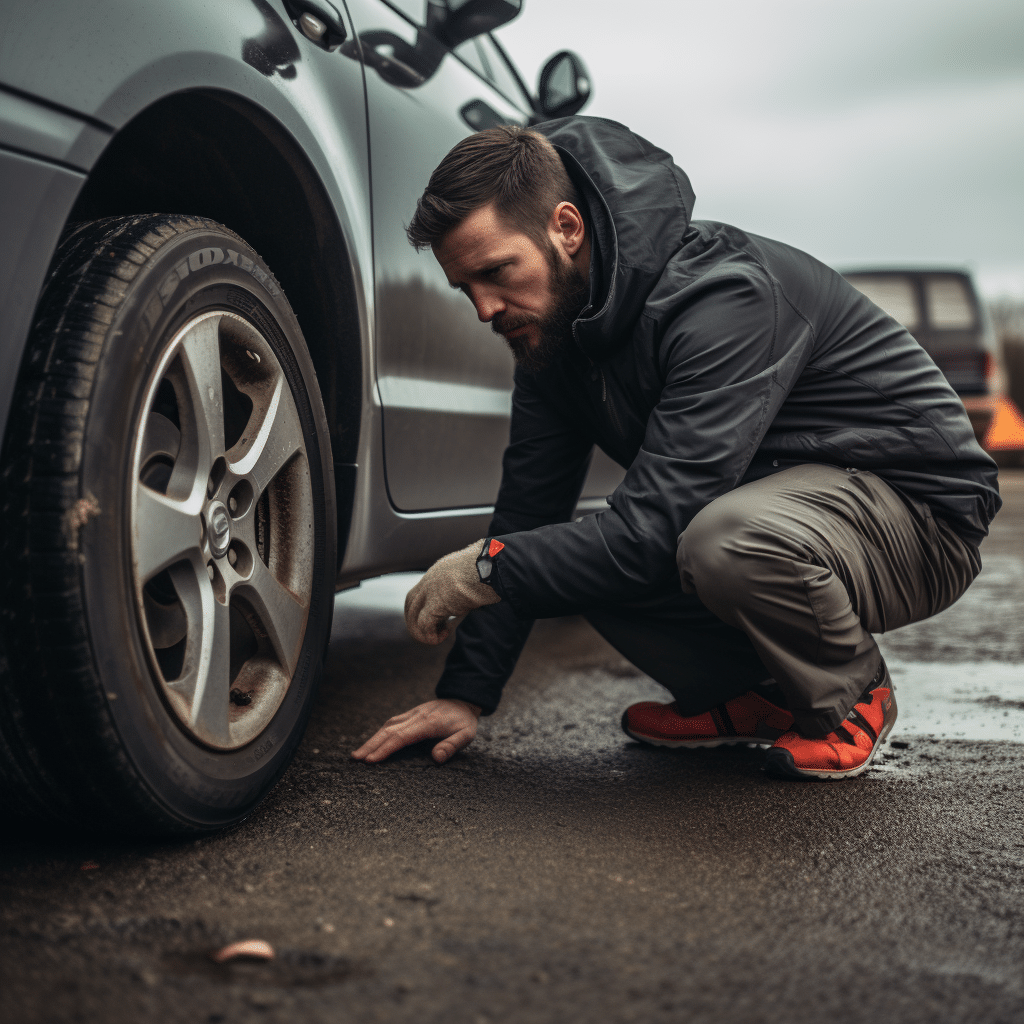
(454, 720)
(451, 586)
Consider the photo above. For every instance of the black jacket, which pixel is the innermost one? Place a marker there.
(707, 358)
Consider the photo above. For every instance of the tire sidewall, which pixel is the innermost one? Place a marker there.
(197, 786)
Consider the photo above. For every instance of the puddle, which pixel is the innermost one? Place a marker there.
(974, 701)
(385, 593)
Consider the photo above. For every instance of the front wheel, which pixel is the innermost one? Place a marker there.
(168, 519)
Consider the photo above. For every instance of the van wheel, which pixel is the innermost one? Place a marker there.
(168, 522)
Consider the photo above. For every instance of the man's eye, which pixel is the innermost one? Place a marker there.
(494, 271)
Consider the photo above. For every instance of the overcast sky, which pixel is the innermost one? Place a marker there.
(866, 131)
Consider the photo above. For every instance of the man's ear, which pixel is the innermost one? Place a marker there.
(567, 228)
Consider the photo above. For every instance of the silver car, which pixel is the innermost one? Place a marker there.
(230, 387)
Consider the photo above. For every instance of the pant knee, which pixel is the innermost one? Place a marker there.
(709, 561)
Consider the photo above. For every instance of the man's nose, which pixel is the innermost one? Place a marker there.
(488, 306)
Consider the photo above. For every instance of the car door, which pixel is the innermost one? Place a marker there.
(443, 378)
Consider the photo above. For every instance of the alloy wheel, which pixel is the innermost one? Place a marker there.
(221, 529)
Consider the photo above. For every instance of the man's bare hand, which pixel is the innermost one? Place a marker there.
(453, 721)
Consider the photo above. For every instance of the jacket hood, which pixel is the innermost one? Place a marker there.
(639, 203)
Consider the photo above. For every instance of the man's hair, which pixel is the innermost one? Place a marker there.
(515, 168)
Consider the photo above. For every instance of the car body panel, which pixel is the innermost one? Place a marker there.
(49, 133)
(35, 199)
(444, 379)
(435, 408)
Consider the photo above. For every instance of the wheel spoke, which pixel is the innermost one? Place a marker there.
(281, 614)
(206, 678)
(161, 437)
(200, 360)
(166, 530)
(273, 436)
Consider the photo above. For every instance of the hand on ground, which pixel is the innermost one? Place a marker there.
(451, 721)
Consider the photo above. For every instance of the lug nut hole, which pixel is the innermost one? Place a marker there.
(240, 500)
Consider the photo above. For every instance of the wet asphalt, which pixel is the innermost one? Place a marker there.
(556, 871)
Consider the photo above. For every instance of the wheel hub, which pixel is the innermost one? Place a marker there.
(218, 523)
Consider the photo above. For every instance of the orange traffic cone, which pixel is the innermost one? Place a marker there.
(1006, 431)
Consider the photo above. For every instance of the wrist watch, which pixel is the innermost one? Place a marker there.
(485, 560)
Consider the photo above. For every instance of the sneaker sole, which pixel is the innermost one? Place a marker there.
(710, 741)
(780, 763)
(725, 741)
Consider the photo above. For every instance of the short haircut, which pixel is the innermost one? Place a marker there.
(515, 168)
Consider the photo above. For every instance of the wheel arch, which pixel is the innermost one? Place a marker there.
(172, 158)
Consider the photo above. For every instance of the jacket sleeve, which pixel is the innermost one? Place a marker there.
(725, 373)
(543, 470)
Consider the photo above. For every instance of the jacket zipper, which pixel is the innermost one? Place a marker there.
(594, 372)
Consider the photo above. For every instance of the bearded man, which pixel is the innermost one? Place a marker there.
(799, 474)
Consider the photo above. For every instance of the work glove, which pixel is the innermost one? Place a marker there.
(451, 586)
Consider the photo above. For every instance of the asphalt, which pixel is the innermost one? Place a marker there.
(556, 871)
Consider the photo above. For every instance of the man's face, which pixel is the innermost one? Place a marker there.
(529, 295)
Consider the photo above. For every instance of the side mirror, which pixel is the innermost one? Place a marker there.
(564, 86)
(455, 21)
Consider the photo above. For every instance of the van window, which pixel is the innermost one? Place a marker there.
(948, 303)
(893, 293)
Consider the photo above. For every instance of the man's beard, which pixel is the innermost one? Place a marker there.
(570, 292)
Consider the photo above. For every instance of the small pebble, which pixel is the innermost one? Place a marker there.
(254, 949)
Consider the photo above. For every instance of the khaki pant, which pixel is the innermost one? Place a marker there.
(788, 577)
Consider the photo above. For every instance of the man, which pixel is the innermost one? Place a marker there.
(799, 473)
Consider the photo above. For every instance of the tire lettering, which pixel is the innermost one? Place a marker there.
(262, 750)
(196, 261)
(205, 258)
(168, 286)
(152, 312)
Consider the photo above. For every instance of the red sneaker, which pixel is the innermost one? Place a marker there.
(747, 719)
(841, 754)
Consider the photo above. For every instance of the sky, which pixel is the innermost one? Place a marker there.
(863, 131)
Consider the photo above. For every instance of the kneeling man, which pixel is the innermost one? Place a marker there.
(800, 475)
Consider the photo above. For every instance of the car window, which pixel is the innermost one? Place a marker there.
(893, 293)
(480, 53)
(501, 75)
(414, 10)
(948, 303)
(469, 53)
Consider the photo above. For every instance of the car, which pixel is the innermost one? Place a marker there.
(941, 309)
(230, 387)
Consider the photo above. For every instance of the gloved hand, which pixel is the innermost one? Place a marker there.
(451, 586)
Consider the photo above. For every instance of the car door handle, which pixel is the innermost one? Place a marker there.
(392, 68)
(319, 21)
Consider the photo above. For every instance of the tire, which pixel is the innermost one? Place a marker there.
(169, 528)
